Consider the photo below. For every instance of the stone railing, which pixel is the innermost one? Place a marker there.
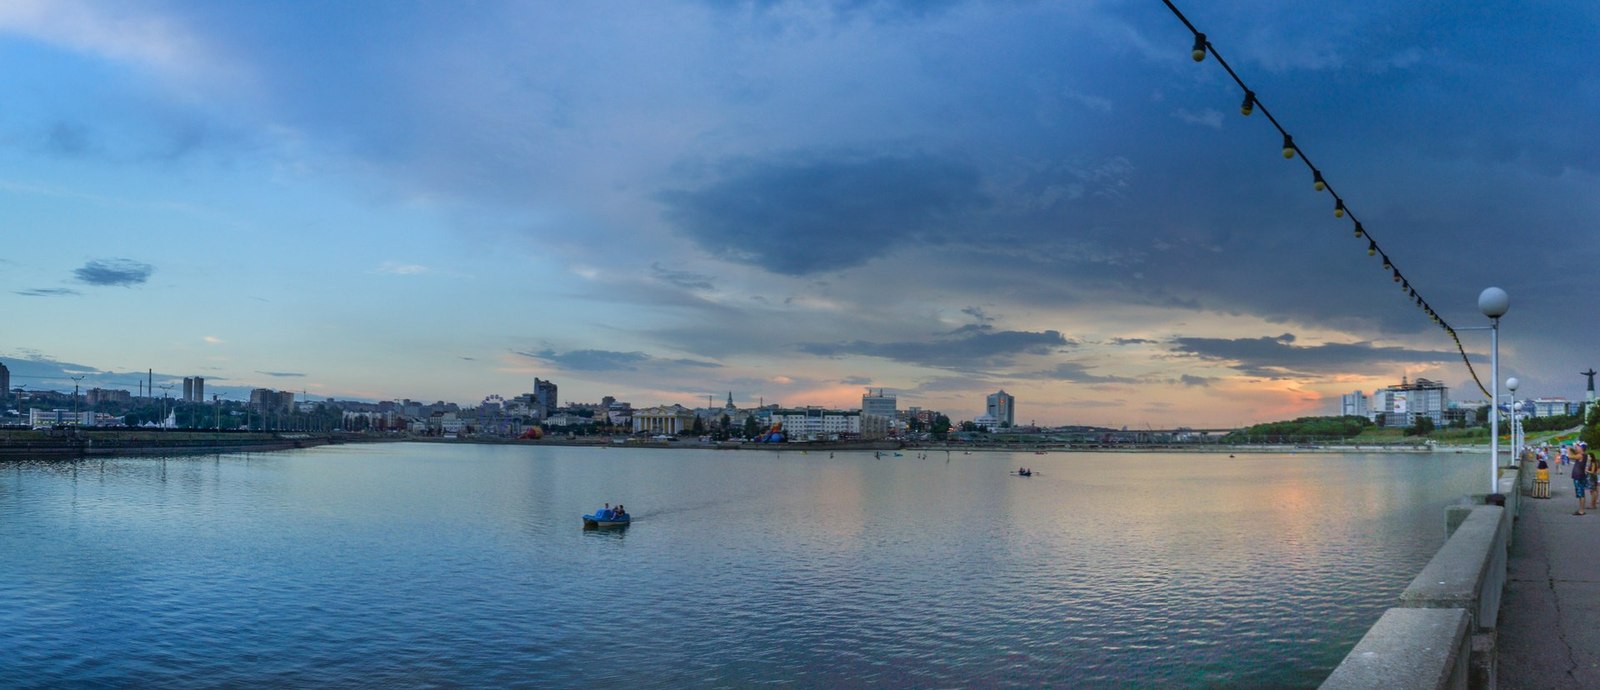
(1442, 633)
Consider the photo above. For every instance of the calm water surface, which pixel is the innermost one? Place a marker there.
(419, 565)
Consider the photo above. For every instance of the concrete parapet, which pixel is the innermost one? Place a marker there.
(1409, 648)
(1468, 572)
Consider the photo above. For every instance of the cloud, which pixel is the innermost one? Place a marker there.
(213, 340)
(1207, 118)
(856, 381)
(975, 347)
(124, 272)
(687, 280)
(1277, 357)
(46, 292)
(1131, 341)
(978, 313)
(607, 360)
(400, 269)
(812, 213)
(1195, 381)
(1078, 373)
(281, 374)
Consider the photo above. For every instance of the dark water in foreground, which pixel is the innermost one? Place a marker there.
(440, 565)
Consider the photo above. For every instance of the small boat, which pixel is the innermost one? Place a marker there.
(601, 520)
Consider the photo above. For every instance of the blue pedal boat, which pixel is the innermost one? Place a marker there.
(605, 519)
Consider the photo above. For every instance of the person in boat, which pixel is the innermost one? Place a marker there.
(622, 513)
(604, 513)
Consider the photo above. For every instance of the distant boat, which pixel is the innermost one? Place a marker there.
(606, 519)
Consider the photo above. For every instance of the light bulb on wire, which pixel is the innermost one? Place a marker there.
(1199, 53)
(1316, 181)
(1288, 146)
(1338, 209)
(1249, 105)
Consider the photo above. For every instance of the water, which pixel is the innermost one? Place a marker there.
(420, 565)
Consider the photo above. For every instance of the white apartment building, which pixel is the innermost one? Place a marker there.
(812, 423)
(1355, 404)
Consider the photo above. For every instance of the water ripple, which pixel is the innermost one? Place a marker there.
(443, 566)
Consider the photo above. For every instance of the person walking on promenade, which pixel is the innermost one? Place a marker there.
(1541, 480)
(1594, 474)
(1580, 480)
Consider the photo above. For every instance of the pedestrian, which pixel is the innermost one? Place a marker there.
(1594, 475)
(1541, 480)
(1580, 480)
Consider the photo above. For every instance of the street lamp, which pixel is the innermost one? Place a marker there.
(1494, 303)
(1516, 440)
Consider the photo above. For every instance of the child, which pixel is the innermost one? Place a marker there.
(1541, 480)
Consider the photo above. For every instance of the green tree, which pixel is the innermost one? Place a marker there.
(1591, 431)
(698, 428)
(751, 428)
(941, 426)
(915, 425)
(1422, 427)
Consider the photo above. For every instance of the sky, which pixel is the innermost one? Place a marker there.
(793, 202)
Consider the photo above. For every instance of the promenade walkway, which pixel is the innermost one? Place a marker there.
(1549, 627)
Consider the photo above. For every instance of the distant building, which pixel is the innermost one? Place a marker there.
(194, 389)
(1002, 406)
(986, 421)
(96, 396)
(1354, 405)
(57, 417)
(268, 400)
(670, 420)
(544, 398)
(879, 404)
(5, 385)
(1401, 405)
(1554, 407)
(817, 423)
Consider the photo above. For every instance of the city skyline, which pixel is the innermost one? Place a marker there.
(793, 201)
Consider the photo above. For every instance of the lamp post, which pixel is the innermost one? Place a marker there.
(1516, 438)
(1494, 303)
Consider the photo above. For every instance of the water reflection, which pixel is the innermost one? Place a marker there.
(396, 564)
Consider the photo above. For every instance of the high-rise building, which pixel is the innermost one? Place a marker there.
(194, 389)
(879, 404)
(1401, 405)
(1003, 407)
(5, 384)
(544, 397)
(1354, 405)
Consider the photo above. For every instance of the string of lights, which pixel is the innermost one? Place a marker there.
(1252, 103)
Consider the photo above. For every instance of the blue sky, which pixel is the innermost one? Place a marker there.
(794, 201)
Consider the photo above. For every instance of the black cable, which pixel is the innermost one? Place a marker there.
(1253, 102)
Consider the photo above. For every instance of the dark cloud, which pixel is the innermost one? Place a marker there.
(67, 139)
(1273, 357)
(607, 360)
(804, 214)
(46, 292)
(1195, 381)
(281, 374)
(122, 272)
(1131, 341)
(1078, 373)
(687, 280)
(978, 313)
(856, 380)
(974, 348)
